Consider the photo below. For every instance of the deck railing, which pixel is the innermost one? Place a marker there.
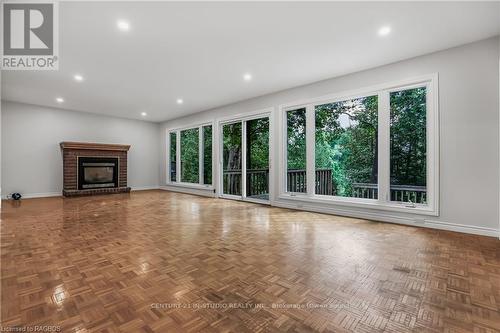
(296, 181)
(323, 181)
(258, 184)
(402, 193)
(173, 171)
(258, 181)
(365, 190)
(232, 182)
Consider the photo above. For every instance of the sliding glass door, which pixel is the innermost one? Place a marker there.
(232, 159)
(257, 158)
(245, 159)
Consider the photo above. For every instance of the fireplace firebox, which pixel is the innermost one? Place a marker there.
(97, 172)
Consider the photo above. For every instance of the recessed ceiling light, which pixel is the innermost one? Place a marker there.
(247, 76)
(384, 31)
(123, 25)
(180, 101)
(78, 77)
(144, 114)
(59, 100)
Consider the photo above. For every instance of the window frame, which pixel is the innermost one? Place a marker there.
(221, 160)
(202, 154)
(383, 202)
(169, 159)
(284, 172)
(201, 167)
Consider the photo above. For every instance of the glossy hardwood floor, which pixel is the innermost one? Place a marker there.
(156, 261)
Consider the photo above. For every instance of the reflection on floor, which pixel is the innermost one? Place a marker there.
(157, 261)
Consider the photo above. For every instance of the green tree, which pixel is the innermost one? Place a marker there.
(346, 142)
(408, 137)
(296, 139)
(190, 155)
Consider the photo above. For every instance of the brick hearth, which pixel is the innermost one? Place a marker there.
(72, 150)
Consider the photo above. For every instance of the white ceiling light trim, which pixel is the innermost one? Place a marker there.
(78, 77)
(384, 31)
(123, 25)
(247, 77)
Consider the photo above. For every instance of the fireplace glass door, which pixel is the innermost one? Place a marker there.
(97, 172)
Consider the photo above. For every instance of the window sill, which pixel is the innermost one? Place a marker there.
(360, 203)
(190, 185)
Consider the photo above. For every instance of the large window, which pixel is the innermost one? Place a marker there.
(378, 147)
(207, 155)
(296, 150)
(346, 148)
(409, 145)
(173, 156)
(194, 154)
(190, 162)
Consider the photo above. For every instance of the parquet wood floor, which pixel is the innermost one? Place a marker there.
(156, 261)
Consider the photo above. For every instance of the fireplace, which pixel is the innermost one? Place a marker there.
(94, 168)
(97, 172)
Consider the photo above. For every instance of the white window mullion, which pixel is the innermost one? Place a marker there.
(200, 155)
(178, 157)
(243, 159)
(432, 145)
(169, 157)
(220, 159)
(215, 152)
(310, 150)
(383, 147)
(283, 146)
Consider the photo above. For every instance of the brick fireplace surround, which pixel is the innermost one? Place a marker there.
(72, 150)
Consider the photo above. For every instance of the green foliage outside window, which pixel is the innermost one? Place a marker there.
(207, 155)
(190, 156)
(408, 137)
(231, 135)
(296, 139)
(173, 156)
(257, 144)
(346, 145)
(346, 142)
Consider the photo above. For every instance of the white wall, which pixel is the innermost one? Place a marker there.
(469, 134)
(31, 156)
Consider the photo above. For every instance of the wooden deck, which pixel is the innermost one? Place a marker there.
(156, 261)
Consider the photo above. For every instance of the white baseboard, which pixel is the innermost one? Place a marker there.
(187, 190)
(462, 228)
(145, 188)
(58, 194)
(38, 195)
(386, 217)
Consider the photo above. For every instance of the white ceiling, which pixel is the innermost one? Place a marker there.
(200, 51)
